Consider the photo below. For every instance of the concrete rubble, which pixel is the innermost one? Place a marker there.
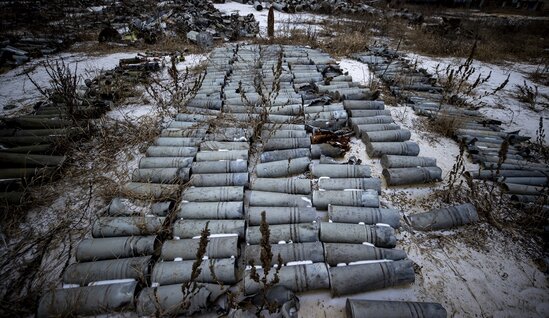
(120, 22)
(319, 6)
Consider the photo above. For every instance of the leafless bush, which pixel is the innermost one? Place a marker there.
(456, 174)
(455, 81)
(266, 283)
(528, 94)
(541, 74)
(63, 85)
(172, 93)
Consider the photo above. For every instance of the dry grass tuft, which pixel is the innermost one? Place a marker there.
(445, 124)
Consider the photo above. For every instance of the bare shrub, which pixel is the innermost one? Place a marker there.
(172, 93)
(528, 94)
(63, 85)
(265, 282)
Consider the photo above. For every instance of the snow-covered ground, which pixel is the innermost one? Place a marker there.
(283, 21)
(504, 105)
(359, 71)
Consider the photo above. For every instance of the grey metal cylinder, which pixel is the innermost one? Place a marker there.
(274, 126)
(265, 198)
(223, 145)
(366, 198)
(494, 174)
(161, 208)
(285, 185)
(211, 210)
(527, 164)
(390, 161)
(161, 175)
(115, 247)
(87, 301)
(324, 108)
(357, 308)
(166, 151)
(411, 175)
(283, 168)
(386, 136)
(281, 215)
(350, 183)
(193, 117)
(445, 218)
(218, 247)
(371, 120)
(378, 149)
(184, 126)
(351, 214)
(297, 233)
(223, 166)
(205, 103)
(123, 207)
(151, 190)
(213, 194)
(167, 300)
(531, 181)
(168, 273)
(371, 113)
(123, 268)
(345, 253)
(363, 128)
(472, 132)
(341, 171)
(219, 179)
(177, 141)
(286, 143)
(297, 278)
(328, 116)
(193, 228)
(363, 104)
(29, 160)
(380, 236)
(165, 162)
(176, 131)
(288, 110)
(508, 166)
(127, 226)
(222, 155)
(267, 134)
(513, 188)
(311, 251)
(278, 155)
(354, 279)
